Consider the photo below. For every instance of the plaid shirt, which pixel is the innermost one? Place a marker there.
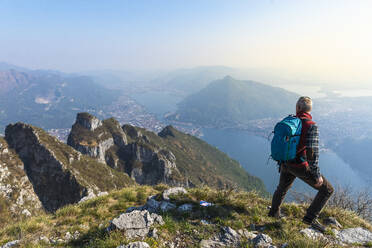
(312, 141)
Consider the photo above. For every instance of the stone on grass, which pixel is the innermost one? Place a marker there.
(262, 240)
(135, 245)
(136, 223)
(246, 234)
(173, 191)
(312, 234)
(229, 235)
(211, 244)
(354, 235)
(10, 244)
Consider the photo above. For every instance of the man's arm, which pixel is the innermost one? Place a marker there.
(312, 151)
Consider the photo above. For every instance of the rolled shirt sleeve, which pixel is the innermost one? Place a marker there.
(312, 142)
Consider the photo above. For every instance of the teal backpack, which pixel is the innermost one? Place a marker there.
(286, 139)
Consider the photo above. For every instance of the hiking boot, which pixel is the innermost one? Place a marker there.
(315, 224)
(276, 215)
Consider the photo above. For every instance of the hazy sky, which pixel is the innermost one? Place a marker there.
(323, 40)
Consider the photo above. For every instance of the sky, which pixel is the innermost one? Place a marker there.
(310, 40)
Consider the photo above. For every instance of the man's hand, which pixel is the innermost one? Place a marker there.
(319, 182)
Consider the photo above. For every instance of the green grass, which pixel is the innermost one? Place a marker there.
(231, 208)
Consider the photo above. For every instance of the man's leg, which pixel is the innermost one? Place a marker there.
(324, 193)
(285, 182)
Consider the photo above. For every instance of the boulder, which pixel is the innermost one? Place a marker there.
(136, 223)
(354, 235)
(173, 191)
(262, 240)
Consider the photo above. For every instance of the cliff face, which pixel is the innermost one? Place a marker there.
(108, 142)
(59, 175)
(92, 137)
(15, 188)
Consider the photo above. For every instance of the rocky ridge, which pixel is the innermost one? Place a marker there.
(59, 174)
(170, 157)
(15, 188)
(107, 142)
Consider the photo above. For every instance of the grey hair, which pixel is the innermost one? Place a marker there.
(305, 103)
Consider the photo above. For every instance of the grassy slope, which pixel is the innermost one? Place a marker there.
(234, 209)
(203, 163)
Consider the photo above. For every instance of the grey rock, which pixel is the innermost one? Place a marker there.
(153, 233)
(68, 236)
(135, 245)
(246, 234)
(211, 244)
(185, 208)
(136, 223)
(173, 191)
(157, 219)
(26, 212)
(312, 234)
(354, 235)
(11, 244)
(88, 121)
(332, 221)
(90, 195)
(166, 206)
(44, 239)
(285, 245)
(262, 240)
(229, 236)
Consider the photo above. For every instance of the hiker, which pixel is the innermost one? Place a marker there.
(305, 167)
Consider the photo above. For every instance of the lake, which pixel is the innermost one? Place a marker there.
(253, 154)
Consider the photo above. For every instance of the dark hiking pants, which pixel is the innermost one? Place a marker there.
(287, 176)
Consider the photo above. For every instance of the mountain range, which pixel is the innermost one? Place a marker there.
(229, 102)
(48, 99)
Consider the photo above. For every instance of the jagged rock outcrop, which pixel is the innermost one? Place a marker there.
(88, 121)
(92, 137)
(107, 141)
(59, 174)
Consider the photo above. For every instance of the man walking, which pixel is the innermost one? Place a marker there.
(305, 167)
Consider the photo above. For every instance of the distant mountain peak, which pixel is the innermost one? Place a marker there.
(228, 77)
(88, 121)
